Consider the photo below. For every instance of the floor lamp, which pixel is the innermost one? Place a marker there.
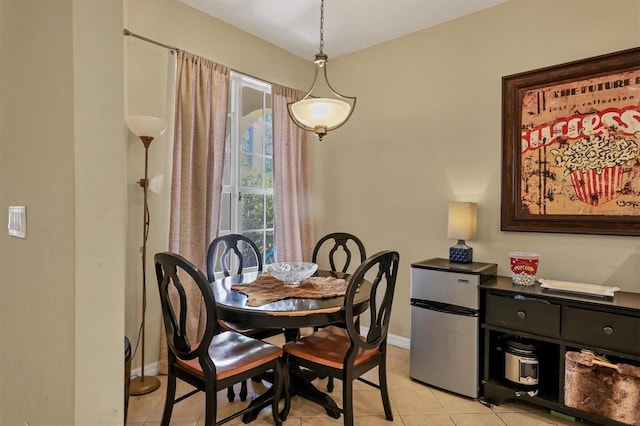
(146, 128)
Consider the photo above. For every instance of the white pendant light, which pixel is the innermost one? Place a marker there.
(320, 114)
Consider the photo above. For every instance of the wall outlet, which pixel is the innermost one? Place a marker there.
(18, 221)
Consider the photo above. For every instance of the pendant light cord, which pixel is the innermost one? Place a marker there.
(321, 25)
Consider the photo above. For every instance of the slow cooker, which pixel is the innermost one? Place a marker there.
(520, 362)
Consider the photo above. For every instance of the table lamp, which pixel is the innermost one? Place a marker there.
(462, 226)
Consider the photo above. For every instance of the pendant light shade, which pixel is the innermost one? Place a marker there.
(321, 114)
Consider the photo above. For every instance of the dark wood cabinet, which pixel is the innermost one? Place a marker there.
(555, 323)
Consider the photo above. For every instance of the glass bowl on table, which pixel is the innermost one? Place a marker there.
(292, 273)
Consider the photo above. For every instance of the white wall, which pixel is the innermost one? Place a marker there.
(427, 130)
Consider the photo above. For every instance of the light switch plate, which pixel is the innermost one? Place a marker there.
(18, 221)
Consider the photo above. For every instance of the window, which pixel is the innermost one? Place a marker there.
(247, 192)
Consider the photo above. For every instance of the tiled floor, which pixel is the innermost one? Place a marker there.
(413, 404)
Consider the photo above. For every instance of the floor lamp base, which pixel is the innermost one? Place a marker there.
(143, 385)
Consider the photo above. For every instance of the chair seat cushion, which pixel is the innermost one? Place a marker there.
(242, 329)
(327, 346)
(233, 353)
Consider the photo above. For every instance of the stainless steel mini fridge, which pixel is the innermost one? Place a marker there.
(445, 324)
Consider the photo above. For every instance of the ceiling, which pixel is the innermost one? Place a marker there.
(349, 25)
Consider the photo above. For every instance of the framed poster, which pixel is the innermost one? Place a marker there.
(571, 147)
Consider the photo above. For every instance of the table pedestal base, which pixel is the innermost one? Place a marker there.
(300, 385)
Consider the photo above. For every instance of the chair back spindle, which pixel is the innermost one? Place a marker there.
(340, 243)
(174, 272)
(385, 267)
(226, 250)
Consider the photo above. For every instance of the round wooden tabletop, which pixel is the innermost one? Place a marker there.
(284, 313)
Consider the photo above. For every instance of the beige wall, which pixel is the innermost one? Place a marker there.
(61, 155)
(427, 130)
(148, 68)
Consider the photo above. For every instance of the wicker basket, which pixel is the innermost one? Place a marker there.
(594, 385)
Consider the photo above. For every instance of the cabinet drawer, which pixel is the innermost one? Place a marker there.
(602, 329)
(528, 315)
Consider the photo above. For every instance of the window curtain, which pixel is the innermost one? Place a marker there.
(294, 224)
(202, 90)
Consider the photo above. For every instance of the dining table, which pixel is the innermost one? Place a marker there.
(289, 313)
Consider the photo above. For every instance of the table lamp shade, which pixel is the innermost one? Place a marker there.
(462, 226)
(462, 221)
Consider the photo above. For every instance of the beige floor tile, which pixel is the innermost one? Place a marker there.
(357, 420)
(513, 405)
(529, 418)
(189, 409)
(375, 421)
(412, 404)
(453, 403)
(140, 407)
(427, 419)
(301, 407)
(475, 419)
(415, 402)
(189, 423)
(368, 402)
(397, 380)
(318, 421)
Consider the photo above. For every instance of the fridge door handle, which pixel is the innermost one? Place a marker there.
(444, 308)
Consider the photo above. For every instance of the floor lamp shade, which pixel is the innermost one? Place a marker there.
(462, 225)
(145, 125)
(146, 128)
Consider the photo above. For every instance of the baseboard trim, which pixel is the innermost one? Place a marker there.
(149, 370)
(392, 339)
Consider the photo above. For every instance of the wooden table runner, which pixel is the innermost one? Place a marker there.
(266, 289)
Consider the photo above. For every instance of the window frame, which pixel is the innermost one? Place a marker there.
(232, 179)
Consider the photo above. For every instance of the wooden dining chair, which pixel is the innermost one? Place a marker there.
(336, 247)
(342, 352)
(230, 255)
(217, 360)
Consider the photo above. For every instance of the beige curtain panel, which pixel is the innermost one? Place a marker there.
(202, 89)
(291, 175)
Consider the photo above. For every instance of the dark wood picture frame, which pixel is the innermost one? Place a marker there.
(597, 88)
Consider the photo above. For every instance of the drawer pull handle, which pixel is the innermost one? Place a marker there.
(522, 314)
(462, 280)
(608, 330)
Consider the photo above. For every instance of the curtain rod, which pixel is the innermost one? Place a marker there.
(126, 32)
(148, 40)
